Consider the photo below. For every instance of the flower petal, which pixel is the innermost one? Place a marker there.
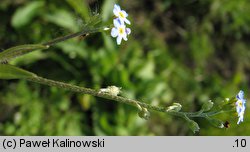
(240, 95)
(119, 40)
(241, 119)
(116, 10)
(114, 32)
(128, 31)
(117, 22)
(240, 106)
(117, 7)
(125, 38)
(127, 21)
(124, 13)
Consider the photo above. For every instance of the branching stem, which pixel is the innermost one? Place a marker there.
(120, 99)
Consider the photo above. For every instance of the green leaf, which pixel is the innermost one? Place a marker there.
(12, 72)
(108, 42)
(81, 7)
(147, 70)
(94, 20)
(63, 19)
(20, 50)
(73, 49)
(107, 9)
(25, 14)
(30, 58)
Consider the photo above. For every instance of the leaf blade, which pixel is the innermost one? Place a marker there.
(12, 72)
(16, 51)
(25, 14)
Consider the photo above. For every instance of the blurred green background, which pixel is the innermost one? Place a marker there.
(186, 51)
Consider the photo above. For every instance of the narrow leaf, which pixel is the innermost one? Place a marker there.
(12, 72)
(63, 19)
(20, 50)
(81, 7)
(107, 9)
(25, 14)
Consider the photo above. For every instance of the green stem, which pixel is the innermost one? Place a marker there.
(120, 99)
(93, 92)
(208, 114)
(20, 50)
(64, 38)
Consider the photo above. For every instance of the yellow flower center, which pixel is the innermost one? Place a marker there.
(240, 103)
(121, 15)
(121, 30)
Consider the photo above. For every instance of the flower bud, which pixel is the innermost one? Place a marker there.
(176, 107)
(193, 126)
(207, 105)
(106, 28)
(144, 114)
(112, 90)
(216, 122)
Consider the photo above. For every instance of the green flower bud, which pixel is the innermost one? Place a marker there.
(216, 122)
(207, 105)
(144, 114)
(176, 107)
(193, 126)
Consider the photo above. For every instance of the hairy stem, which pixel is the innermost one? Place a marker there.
(70, 36)
(93, 92)
(120, 99)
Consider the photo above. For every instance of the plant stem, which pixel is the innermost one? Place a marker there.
(120, 99)
(64, 38)
(88, 29)
(93, 92)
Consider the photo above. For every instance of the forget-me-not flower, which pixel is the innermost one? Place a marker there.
(121, 14)
(120, 31)
(240, 106)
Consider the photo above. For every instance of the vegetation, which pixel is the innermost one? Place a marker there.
(188, 52)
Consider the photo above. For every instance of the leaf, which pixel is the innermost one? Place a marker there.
(81, 7)
(63, 19)
(12, 72)
(73, 49)
(30, 58)
(25, 14)
(107, 9)
(20, 50)
(108, 42)
(147, 70)
(94, 20)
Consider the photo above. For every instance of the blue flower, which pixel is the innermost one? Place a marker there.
(240, 106)
(120, 31)
(121, 14)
